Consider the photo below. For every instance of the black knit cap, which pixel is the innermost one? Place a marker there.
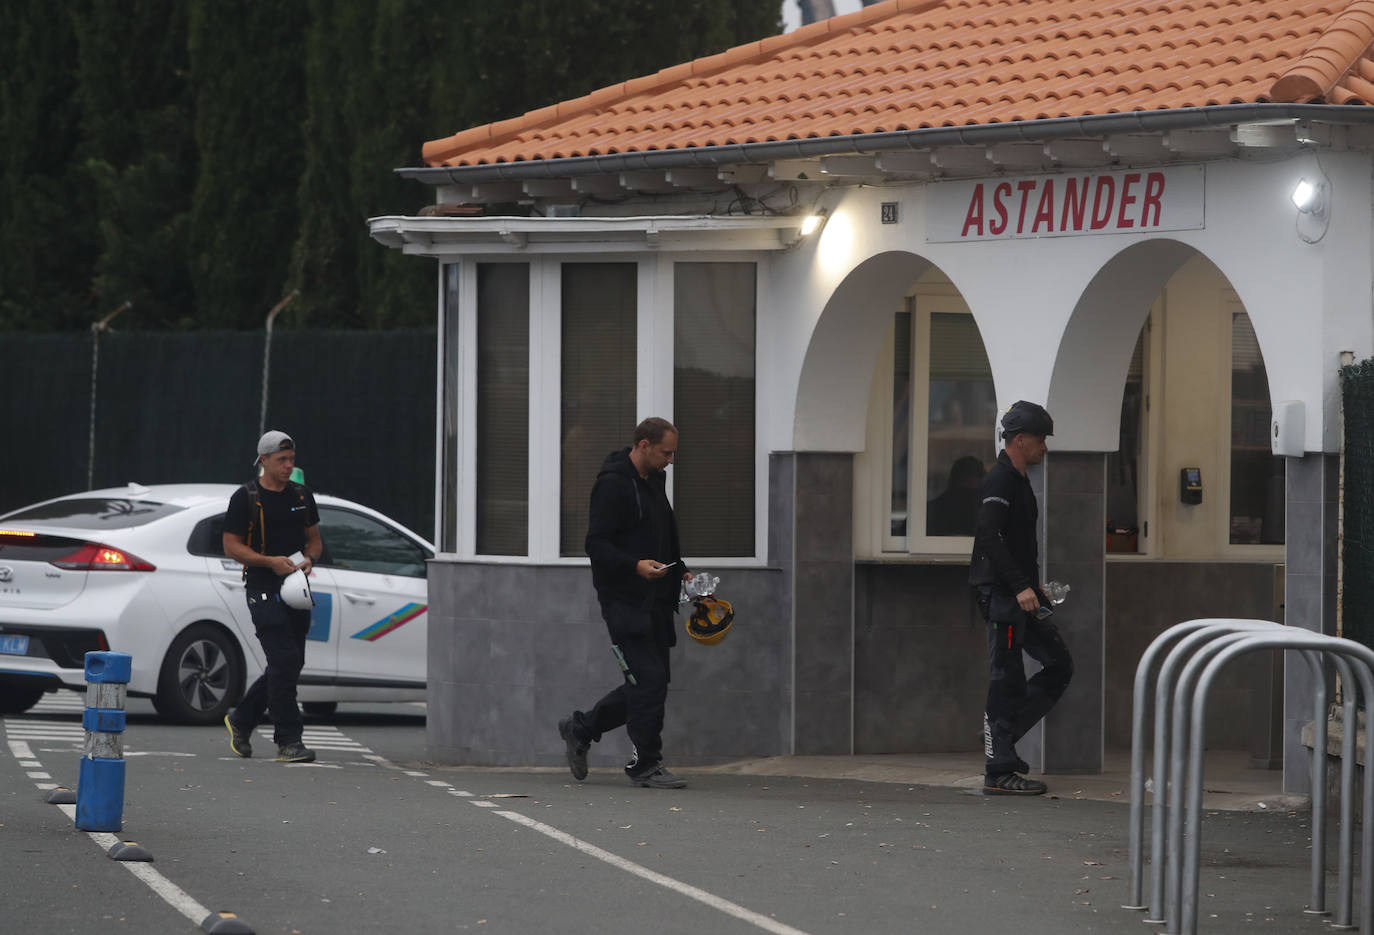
(1026, 418)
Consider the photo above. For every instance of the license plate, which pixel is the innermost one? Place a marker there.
(13, 644)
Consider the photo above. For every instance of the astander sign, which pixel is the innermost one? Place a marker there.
(1131, 201)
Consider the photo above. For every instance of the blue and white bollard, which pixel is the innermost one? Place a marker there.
(100, 783)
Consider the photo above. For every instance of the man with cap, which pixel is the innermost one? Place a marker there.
(268, 520)
(1005, 570)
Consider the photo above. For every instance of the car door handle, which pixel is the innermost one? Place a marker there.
(359, 598)
(231, 585)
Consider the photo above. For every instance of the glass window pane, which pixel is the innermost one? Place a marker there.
(1123, 465)
(503, 408)
(713, 407)
(448, 492)
(361, 543)
(97, 512)
(599, 374)
(962, 412)
(1257, 477)
(901, 423)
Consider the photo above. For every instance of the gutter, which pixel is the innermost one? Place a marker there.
(1021, 131)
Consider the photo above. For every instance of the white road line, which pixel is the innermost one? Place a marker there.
(171, 894)
(677, 886)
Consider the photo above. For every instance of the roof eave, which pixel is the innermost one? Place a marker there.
(1045, 130)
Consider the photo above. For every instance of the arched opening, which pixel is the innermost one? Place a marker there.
(1161, 377)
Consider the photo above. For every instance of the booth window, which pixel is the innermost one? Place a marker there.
(503, 407)
(944, 409)
(599, 309)
(448, 494)
(1257, 477)
(714, 307)
(1125, 525)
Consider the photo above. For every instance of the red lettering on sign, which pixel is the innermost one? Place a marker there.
(1154, 191)
(974, 217)
(1001, 191)
(1102, 209)
(1127, 199)
(1045, 212)
(1075, 201)
(1026, 186)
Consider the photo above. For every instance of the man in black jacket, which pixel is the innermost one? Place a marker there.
(637, 570)
(1005, 570)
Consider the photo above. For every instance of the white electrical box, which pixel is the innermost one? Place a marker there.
(1288, 432)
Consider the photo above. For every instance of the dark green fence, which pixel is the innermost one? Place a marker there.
(1357, 605)
(184, 407)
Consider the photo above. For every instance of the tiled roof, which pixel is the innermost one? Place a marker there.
(908, 64)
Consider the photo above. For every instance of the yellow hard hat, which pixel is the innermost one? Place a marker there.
(710, 620)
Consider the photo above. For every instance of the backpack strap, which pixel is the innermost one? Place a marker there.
(255, 519)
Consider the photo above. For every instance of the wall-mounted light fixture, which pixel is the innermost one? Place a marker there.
(1309, 196)
(1312, 197)
(814, 221)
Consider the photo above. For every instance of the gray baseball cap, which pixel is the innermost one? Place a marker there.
(272, 442)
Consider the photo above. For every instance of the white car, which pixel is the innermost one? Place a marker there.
(141, 570)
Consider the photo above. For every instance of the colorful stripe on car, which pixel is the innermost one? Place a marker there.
(384, 626)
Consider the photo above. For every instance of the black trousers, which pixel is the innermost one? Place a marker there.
(281, 631)
(641, 639)
(1014, 704)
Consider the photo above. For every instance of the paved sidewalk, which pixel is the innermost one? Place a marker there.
(1229, 782)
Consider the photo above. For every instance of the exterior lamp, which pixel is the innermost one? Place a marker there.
(1309, 197)
(1312, 197)
(814, 222)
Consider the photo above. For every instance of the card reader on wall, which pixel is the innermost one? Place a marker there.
(1190, 485)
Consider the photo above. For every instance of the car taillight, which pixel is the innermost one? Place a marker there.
(92, 556)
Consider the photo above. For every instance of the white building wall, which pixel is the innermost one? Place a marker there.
(823, 305)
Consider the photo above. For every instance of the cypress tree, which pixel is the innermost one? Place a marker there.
(247, 78)
(47, 244)
(139, 154)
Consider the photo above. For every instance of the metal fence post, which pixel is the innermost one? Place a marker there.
(100, 783)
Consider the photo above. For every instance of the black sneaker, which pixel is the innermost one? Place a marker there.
(295, 753)
(238, 740)
(577, 749)
(658, 778)
(1012, 784)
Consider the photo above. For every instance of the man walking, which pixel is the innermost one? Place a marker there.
(637, 570)
(1005, 570)
(269, 519)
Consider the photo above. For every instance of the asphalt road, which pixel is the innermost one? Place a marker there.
(372, 839)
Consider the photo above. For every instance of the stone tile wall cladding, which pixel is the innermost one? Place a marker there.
(528, 645)
(921, 653)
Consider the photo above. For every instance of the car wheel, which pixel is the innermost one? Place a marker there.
(18, 695)
(202, 676)
(320, 708)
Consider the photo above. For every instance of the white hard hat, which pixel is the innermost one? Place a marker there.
(295, 590)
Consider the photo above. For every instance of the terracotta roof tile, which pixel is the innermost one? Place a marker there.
(906, 64)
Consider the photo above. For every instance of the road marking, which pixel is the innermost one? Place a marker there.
(685, 889)
(170, 893)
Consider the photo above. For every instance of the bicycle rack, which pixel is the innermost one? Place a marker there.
(1213, 642)
(1291, 639)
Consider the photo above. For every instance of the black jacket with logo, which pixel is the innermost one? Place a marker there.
(630, 519)
(1005, 553)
